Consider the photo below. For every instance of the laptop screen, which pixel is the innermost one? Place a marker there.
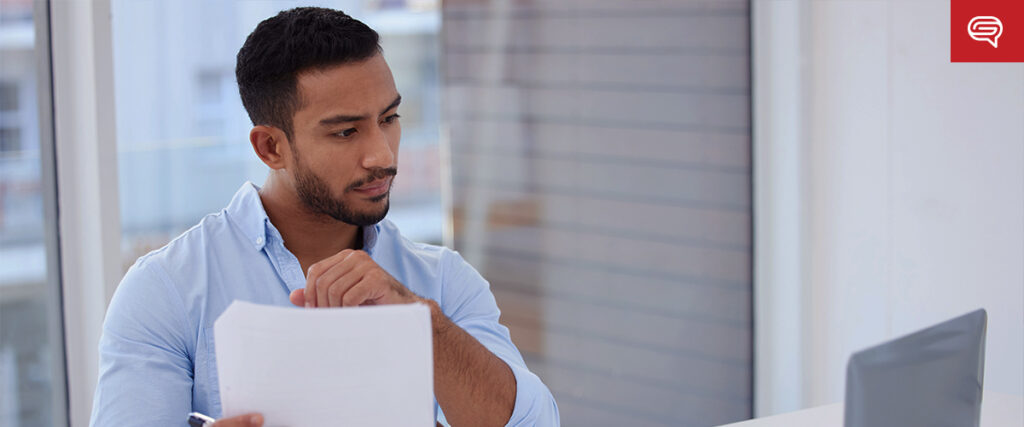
(932, 377)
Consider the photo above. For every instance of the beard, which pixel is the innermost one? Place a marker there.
(316, 195)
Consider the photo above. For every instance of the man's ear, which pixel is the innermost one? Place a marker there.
(270, 145)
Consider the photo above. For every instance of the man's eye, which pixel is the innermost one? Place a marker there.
(347, 132)
(391, 118)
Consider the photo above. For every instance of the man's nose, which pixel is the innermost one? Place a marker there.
(378, 152)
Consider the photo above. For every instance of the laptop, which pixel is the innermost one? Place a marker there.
(930, 378)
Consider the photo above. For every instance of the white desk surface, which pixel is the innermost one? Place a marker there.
(997, 410)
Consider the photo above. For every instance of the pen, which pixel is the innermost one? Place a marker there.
(196, 419)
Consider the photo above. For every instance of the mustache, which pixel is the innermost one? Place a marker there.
(379, 173)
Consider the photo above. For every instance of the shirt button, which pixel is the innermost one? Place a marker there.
(259, 240)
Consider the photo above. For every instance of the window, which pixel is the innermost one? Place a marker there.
(31, 346)
(183, 133)
(11, 117)
(10, 140)
(8, 97)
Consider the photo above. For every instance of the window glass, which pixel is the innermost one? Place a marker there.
(31, 349)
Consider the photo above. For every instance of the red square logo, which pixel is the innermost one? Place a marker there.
(986, 31)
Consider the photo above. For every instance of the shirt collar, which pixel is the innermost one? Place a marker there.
(246, 210)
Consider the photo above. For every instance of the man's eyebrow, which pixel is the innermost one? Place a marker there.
(398, 100)
(338, 119)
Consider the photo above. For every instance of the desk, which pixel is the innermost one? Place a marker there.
(997, 410)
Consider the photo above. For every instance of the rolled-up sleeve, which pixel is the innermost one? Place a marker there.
(146, 373)
(469, 303)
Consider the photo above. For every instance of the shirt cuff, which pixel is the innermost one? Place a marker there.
(535, 406)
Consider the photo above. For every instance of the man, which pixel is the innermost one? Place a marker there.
(324, 107)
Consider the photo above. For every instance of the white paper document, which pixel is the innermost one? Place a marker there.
(361, 366)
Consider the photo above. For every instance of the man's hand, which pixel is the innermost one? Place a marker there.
(473, 386)
(247, 420)
(350, 278)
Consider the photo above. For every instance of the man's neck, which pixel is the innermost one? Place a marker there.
(310, 237)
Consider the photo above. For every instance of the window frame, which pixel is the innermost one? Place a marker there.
(87, 210)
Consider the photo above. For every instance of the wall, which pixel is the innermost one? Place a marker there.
(909, 192)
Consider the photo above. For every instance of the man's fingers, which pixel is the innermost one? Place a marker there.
(316, 270)
(298, 297)
(333, 282)
(340, 267)
(359, 294)
(247, 420)
(344, 284)
(327, 290)
(312, 274)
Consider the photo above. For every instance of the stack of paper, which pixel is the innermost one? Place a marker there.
(362, 366)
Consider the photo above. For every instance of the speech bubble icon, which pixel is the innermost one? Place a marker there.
(985, 29)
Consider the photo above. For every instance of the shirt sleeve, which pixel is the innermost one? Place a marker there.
(469, 303)
(145, 372)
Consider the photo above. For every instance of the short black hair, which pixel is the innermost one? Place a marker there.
(285, 45)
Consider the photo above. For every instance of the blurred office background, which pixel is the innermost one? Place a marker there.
(690, 212)
(600, 162)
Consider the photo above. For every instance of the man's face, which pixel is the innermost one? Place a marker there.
(345, 143)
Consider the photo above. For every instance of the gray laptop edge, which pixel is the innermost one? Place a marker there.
(930, 378)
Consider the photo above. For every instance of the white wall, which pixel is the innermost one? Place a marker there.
(909, 191)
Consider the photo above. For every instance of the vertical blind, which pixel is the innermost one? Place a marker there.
(600, 155)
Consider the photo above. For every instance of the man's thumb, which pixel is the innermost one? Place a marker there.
(298, 297)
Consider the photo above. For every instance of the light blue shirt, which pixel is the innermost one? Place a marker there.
(157, 359)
